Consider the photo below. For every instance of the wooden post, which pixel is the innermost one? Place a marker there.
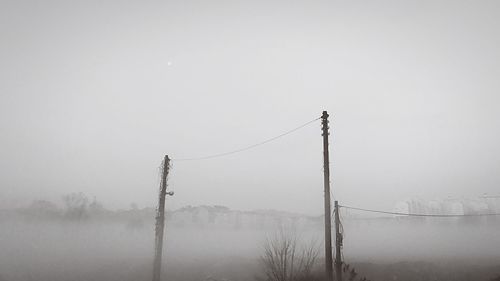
(160, 221)
(338, 244)
(326, 183)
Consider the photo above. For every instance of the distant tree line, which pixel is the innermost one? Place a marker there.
(77, 207)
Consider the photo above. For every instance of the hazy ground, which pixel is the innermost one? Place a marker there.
(380, 250)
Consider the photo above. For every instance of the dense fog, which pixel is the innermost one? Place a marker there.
(246, 97)
(226, 246)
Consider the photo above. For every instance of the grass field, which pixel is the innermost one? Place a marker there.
(56, 251)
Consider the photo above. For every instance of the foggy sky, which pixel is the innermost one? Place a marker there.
(94, 93)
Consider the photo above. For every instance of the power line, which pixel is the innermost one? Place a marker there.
(246, 147)
(416, 215)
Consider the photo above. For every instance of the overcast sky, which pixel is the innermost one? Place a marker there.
(94, 93)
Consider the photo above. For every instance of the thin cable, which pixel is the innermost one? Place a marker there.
(416, 215)
(246, 147)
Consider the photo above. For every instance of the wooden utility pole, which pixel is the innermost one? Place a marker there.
(338, 244)
(160, 220)
(326, 183)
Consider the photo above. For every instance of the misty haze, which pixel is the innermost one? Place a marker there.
(249, 140)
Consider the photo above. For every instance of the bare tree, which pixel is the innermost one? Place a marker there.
(285, 259)
(76, 206)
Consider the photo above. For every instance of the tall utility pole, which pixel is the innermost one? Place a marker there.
(338, 244)
(326, 183)
(160, 220)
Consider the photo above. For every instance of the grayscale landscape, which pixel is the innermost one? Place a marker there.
(252, 140)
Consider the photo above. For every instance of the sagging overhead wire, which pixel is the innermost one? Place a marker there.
(416, 215)
(246, 147)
